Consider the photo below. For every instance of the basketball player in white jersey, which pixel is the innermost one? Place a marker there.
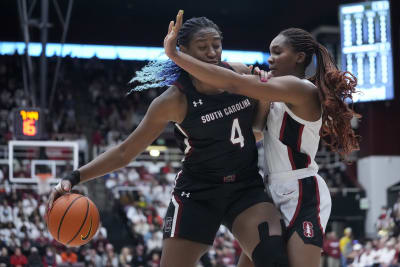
(301, 111)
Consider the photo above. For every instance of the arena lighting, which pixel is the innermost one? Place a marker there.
(159, 148)
(154, 153)
(119, 52)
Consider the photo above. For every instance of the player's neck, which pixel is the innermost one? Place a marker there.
(205, 88)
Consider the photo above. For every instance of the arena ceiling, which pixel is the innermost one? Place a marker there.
(246, 24)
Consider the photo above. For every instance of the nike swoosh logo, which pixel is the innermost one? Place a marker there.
(90, 230)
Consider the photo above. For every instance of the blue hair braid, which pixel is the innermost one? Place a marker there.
(156, 74)
(159, 73)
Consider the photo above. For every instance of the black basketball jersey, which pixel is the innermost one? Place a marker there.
(216, 135)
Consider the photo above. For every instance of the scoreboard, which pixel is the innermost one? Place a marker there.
(28, 123)
(366, 48)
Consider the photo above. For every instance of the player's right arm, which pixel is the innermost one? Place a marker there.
(170, 106)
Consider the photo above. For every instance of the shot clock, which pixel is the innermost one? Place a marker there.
(28, 123)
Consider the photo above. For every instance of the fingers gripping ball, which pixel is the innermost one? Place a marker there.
(73, 220)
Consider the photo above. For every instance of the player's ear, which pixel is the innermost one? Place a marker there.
(300, 57)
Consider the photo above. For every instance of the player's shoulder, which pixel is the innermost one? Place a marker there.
(239, 67)
(171, 103)
(295, 82)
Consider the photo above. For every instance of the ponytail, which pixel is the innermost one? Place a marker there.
(335, 90)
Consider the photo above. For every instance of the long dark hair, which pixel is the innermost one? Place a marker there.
(335, 89)
(160, 73)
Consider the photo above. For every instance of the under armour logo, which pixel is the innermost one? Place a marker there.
(184, 194)
(200, 102)
(308, 229)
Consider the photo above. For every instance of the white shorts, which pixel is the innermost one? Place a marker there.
(305, 205)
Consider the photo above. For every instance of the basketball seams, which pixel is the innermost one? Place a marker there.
(84, 221)
(65, 213)
(96, 215)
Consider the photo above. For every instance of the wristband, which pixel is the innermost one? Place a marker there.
(74, 178)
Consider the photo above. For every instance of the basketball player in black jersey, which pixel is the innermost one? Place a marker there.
(219, 182)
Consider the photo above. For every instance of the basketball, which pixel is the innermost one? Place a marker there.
(73, 220)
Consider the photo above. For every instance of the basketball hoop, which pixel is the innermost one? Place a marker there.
(43, 180)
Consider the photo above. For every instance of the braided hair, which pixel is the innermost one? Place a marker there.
(161, 73)
(335, 89)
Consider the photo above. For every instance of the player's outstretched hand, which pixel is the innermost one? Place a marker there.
(170, 41)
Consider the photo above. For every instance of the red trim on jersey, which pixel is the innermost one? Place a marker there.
(308, 161)
(178, 176)
(290, 155)
(189, 141)
(283, 126)
(296, 213)
(178, 216)
(299, 137)
(318, 202)
(225, 63)
(179, 85)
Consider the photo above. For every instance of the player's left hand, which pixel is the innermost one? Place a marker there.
(170, 41)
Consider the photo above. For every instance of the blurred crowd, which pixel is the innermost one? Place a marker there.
(383, 251)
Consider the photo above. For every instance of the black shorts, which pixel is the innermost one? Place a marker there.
(197, 215)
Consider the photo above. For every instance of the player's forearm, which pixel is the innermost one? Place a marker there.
(106, 162)
(205, 72)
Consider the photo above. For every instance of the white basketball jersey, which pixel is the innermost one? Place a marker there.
(290, 144)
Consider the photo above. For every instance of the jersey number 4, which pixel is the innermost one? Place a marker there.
(236, 133)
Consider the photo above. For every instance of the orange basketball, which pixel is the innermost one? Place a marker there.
(73, 220)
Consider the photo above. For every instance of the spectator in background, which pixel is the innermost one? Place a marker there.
(93, 259)
(332, 250)
(368, 256)
(110, 258)
(385, 223)
(154, 260)
(355, 255)
(387, 253)
(125, 257)
(1, 176)
(100, 242)
(34, 259)
(345, 244)
(396, 215)
(13, 242)
(18, 259)
(155, 242)
(26, 246)
(49, 259)
(69, 256)
(5, 212)
(4, 257)
(139, 258)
